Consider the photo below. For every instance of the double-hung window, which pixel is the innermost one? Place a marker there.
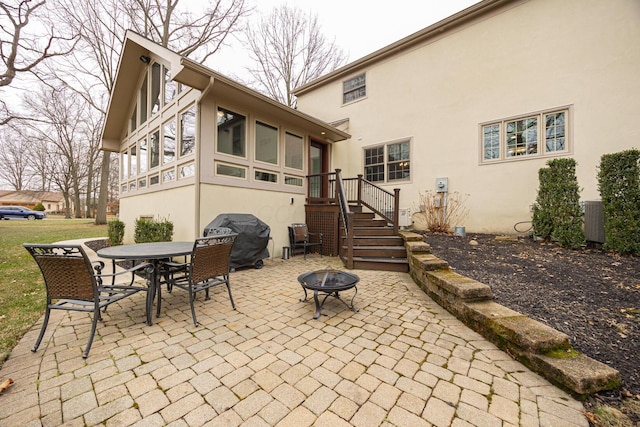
(529, 136)
(388, 163)
(354, 88)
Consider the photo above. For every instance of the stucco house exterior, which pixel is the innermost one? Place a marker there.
(480, 101)
(194, 144)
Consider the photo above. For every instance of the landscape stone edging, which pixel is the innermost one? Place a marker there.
(536, 345)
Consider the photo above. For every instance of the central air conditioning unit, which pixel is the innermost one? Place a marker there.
(404, 217)
(594, 221)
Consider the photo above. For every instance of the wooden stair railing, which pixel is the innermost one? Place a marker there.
(349, 196)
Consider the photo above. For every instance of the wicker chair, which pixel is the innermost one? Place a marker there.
(208, 267)
(74, 283)
(300, 238)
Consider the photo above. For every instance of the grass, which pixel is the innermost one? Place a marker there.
(22, 292)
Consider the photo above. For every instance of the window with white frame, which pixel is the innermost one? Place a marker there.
(354, 88)
(530, 136)
(388, 163)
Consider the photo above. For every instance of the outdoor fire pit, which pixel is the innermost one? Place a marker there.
(329, 282)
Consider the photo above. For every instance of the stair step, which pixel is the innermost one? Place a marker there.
(371, 231)
(375, 241)
(381, 264)
(370, 223)
(378, 251)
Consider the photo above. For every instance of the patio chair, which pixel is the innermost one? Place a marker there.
(74, 283)
(207, 267)
(301, 239)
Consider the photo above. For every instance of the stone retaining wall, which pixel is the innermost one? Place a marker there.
(538, 346)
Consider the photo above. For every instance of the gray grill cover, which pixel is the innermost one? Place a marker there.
(250, 247)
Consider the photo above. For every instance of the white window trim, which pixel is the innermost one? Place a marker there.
(542, 153)
(386, 160)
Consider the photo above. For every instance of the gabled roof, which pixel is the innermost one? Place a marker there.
(195, 75)
(438, 29)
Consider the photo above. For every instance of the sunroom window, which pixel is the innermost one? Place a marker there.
(231, 133)
(188, 132)
(266, 143)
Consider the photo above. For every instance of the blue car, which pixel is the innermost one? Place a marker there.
(8, 212)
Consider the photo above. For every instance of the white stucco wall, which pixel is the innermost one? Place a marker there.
(533, 56)
(272, 207)
(175, 204)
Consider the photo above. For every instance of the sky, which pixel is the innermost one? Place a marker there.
(360, 27)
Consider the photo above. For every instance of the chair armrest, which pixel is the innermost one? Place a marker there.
(100, 275)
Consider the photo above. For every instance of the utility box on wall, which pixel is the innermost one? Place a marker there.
(594, 221)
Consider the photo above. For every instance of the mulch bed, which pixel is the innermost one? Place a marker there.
(589, 294)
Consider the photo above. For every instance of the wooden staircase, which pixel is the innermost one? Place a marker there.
(375, 246)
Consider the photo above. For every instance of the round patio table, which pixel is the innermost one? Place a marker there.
(329, 282)
(155, 253)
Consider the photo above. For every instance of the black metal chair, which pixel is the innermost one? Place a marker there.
(74, 283)
(301, 239)
(208, 267)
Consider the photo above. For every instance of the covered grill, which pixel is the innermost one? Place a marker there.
(250, 247)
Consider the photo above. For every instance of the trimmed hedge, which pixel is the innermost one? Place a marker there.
(557, 214)
(115, 232)
(150, 230)
(619, 185)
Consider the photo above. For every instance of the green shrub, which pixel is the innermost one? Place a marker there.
(150, 230)
(557, 214)
(619, 185)
(39, 207)
(115, 232)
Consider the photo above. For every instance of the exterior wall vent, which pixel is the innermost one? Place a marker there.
(594, 221)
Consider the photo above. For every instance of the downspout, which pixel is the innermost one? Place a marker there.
(198, 161)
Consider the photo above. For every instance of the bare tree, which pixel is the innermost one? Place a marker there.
(196, 35)
(14, 159)
(63, 128)
(27, 39)
(102, 25)
(289, 50)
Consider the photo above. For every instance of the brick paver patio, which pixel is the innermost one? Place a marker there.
(401, 360)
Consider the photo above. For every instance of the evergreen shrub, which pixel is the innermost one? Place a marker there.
(151, 230)
(557, 214)
(619, 185)
(115, 232)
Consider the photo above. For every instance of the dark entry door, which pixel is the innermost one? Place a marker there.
(318, 168)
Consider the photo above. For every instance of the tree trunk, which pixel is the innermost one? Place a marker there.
(101, 210)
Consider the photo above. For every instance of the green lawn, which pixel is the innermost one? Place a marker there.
(22, 293)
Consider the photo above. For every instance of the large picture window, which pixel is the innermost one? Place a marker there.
(231, 133)
(266, 143)
(154, 149)
(354, 88)
(530, 136)
(188, 132)
(293, 151)
(169, 142)
(388, 163)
